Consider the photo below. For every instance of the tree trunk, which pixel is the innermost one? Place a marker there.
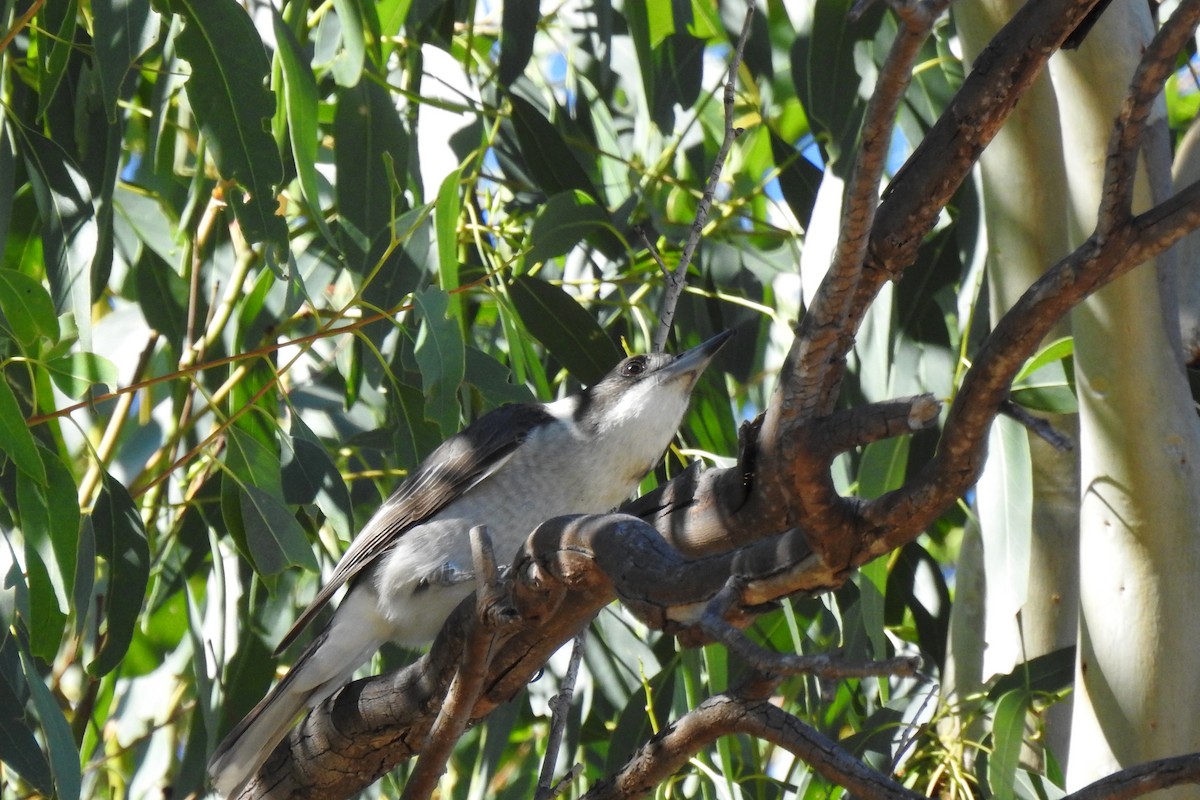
(1139, 634)
(1023, 176)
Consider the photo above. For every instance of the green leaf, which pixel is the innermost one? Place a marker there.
(445, 215)
(550, 160)
(563, 222)
(64, 755)
(47, 620)
(348, 63)
(19, 748)
(367, 133)
(883, 466)
(564, 328)
(27, 309)
(228, 94)
(1057, 350)
(123, 30)
(827, 77)
(15, 439)
(309, 475)
(413, 435)
(121, 542)
(70, 234)
(300, 102)
(1005, 502)
(56, 40)
(671, 59)
(75, 373)
(517, 28)
(275, 540)
(1008, 734)
(441, 357)
(1051, 672)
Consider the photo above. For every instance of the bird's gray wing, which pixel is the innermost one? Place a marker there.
(452, 469)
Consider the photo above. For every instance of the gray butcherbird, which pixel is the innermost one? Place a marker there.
(514, 468)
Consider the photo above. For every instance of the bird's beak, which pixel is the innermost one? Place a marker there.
(693, 362)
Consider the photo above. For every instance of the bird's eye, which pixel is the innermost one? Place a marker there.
(634, 367)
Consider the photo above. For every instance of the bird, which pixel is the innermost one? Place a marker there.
(411, 565)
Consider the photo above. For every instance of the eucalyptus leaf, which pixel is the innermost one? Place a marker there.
(27, 309)
(564, 327)
(228, 95)
(121, 542)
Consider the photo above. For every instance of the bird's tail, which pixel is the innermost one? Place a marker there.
(326, 664)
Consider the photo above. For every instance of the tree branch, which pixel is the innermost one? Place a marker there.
(677, 280)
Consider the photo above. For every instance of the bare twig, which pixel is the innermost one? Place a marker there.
(772, 663)
(727, 714)
(677, 279)
(455, 713)
(822, 328)
(560, 706)
(1038, 426)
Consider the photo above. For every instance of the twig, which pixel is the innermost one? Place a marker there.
(771, 663)
(560, 706)
(677, 279)
(455, 713)
(1038, 426)
(823, 331)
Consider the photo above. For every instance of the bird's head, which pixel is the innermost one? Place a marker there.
(645, 396)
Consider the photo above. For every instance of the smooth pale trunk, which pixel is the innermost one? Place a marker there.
(1022, 178)
(1138, 670)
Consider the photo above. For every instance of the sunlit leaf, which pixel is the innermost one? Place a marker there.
(70, 234)
(441, 356)
(518, 26)
(276, 541)
(1008, 734)
(75, 373)
(564, 328)
(121, 542)
(27, 309)
(300, 101)
(228, 94)
(15, 439)
(563, 222)
(123, 31)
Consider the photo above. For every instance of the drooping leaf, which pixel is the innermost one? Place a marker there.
(1005, 503)
(274, 537)
(70, 234)
(121, 542)
(228, 94)
(369, 137)
(15, 439)
(517, 28)
(564, 328)
(19, 748)
(77, 372)
(551, 162)
(28, 311)
(310, 476)
(827, 76)
(445, 214)
(300, 103)
(348, 63)
(563, 222)
(122, 31)
(1008, 734)
(56, 39)
(441, 356)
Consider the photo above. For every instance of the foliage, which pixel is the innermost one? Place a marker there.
(257, 265)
